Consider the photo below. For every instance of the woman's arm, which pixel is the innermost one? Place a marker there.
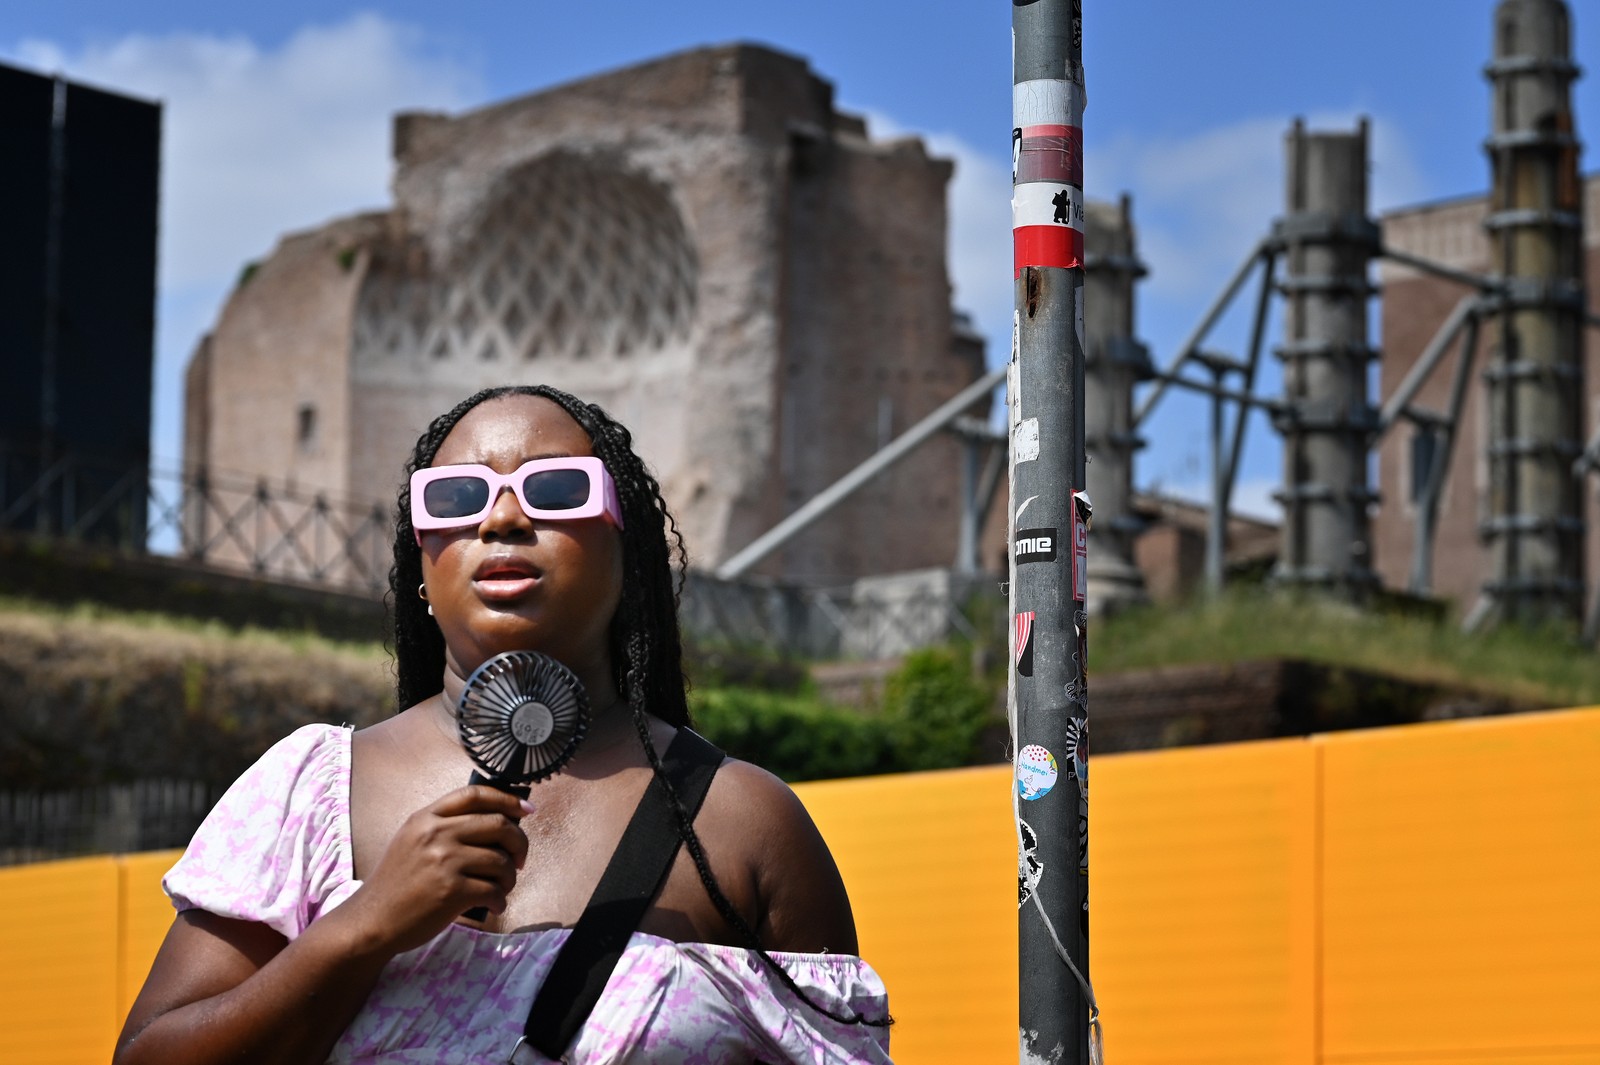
(801, 900)
(227, 990)
(237, 991)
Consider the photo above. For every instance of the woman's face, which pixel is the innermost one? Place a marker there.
(512, 582)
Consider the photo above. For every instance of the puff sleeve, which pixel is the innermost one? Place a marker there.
(276, 847)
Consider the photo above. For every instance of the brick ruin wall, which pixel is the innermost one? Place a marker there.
(701, 244)
(1414, 306)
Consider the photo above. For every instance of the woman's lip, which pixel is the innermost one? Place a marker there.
(504, 585)
(504, 566)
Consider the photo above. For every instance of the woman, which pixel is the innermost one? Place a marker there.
(320, 906)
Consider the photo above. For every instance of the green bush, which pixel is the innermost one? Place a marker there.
(932, 714)
(796, 736)
(934, 710)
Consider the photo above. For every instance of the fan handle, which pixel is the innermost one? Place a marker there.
(519, 790)
(481, 913)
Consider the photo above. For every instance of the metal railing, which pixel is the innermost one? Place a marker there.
(232, 522)
(109, 818)
(873, 618)
(243, 524)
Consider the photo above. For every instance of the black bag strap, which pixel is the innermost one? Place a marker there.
(634, 876)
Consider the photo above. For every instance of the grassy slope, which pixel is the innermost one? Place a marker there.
(159, 629)
(99, 697)
(1547, 667)
(1541, 667)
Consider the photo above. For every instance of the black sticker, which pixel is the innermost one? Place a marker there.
(1036, 545)
(1029, 869)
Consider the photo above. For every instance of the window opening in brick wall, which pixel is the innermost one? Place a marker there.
(306, 427)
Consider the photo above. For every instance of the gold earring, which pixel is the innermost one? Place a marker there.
(422, 593)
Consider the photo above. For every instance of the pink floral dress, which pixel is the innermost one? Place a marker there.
(276, 850)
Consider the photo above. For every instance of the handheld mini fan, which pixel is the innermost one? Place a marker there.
(521, 717)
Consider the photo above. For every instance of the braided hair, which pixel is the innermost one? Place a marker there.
(648, 609)
(645, 645)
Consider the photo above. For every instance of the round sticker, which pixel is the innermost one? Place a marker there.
(1036, 772)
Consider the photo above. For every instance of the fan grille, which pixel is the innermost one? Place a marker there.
(521, 717)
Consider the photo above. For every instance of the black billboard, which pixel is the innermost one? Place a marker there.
(78, 201)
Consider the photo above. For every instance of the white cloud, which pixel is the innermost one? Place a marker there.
(1201, 201)
(980, 236)
(256, 142)
(259, 141)
(1252, 497)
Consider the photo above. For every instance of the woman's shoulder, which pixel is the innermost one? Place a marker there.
(804, 906)
(747, 795)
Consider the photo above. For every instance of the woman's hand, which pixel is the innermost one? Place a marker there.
(459, 853)
(224, 990)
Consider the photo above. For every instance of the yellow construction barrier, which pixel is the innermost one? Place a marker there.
(1461, 893)
(1421, 895)
(60, 940)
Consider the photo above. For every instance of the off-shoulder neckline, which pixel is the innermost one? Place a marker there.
(341, 735)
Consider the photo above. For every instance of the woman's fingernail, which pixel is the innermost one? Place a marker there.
(527, 807)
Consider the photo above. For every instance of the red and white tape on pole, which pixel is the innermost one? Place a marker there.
(1047, 174)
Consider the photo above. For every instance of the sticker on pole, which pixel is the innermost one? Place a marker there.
(1035, 545)
(1025, 440)
(1078, 742)
(1082, 512)
(1046, 225)
(1046, 174)
(1036, 772)
(1047, 151)
(1022, 635)
(1046, 101)
(1029, 869)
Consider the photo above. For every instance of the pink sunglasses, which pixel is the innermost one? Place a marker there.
(563, 489)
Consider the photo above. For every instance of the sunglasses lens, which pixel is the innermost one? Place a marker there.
(556, 489)
(455, 497)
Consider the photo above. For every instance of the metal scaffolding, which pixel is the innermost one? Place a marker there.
(1116, 361)
(1534, 525)
(1326, 422)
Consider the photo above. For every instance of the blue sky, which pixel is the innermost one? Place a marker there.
(277, 118)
